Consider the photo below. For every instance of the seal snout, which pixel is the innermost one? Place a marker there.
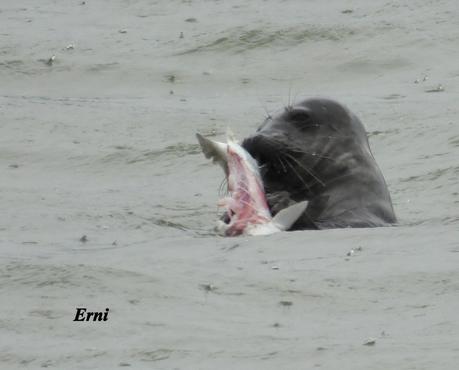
(277, 161)
(263, 147)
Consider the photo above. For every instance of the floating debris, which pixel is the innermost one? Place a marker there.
(208, 287)
(352, 251)
(424, 79)
(370, 342)
(234, 246)
(171, 78)
(347, 11)
(13, 166)
(286, 303)
(181, 35)
(122, 31)
(70, 47)
(51, 60)
(191, 20)
(439, 88)
(84, 239)
(275, 267)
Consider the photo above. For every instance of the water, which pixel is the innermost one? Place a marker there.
(101, 143)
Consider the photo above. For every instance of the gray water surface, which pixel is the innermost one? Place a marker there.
(101, 142)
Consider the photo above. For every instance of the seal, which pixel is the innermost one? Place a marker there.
(317, 150)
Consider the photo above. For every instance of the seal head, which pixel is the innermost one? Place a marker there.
(317, 150)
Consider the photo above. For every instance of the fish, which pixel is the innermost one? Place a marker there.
(246, 206)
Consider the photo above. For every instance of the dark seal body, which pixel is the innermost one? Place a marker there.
(317, 150)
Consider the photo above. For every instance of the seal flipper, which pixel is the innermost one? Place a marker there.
(286, 217)
(215, 150)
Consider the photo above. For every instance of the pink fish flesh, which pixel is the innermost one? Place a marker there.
(246, 205)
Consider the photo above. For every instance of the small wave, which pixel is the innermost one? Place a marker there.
(130, 156)
(177, 150)
(395, 131)
(20, 67)
(60, 276)
(11, 64)
(370, 66)
(100, 67)
(166, 223)
(454, 141)
(239, 40)
(433, 175)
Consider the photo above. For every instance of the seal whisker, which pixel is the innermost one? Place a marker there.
(298, 175)
(276, 144)
(312, 154)
(268, 115)
(279, 158)
(306, 169)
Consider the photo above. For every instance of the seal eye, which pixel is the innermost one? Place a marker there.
(301, 118)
